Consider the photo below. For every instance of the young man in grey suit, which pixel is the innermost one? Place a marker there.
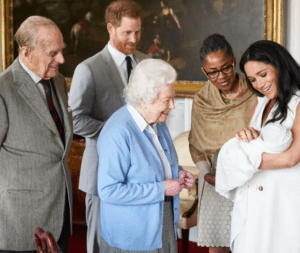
(97, 92)
(35, 138)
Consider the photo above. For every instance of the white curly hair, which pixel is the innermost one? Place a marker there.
(146, 81)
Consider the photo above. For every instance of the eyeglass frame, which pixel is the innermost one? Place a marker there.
(218, 71)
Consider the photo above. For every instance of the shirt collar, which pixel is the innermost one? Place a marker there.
(137, 117)
(34, 76)
(117, 56)
(140, 121)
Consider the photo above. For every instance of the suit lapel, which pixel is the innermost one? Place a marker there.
(62, 100)
(31, 95)
(113, 72)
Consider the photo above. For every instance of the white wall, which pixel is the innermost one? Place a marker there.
(293, 28)
(179, 119)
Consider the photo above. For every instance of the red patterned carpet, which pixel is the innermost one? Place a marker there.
(77, 242)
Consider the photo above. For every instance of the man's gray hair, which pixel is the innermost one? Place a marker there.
(26, 35)
(147, 79)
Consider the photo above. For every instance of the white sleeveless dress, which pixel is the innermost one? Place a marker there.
(273, 212)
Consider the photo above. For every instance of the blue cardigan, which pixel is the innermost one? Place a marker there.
(130, 175)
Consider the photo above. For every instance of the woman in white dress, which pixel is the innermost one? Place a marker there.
(273, 207)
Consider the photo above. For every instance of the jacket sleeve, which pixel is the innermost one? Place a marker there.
(81, 100)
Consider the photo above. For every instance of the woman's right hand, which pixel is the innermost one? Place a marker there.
(247, 134)
(173, 186)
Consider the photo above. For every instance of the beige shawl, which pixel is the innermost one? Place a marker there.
(216, 119)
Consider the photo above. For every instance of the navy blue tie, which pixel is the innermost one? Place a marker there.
(129, 66)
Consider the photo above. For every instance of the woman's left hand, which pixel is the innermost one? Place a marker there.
(188, 178)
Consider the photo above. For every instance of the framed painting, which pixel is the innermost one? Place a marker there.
(172, 30)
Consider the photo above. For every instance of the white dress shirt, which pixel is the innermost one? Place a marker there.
(120, 62)
(36, 79)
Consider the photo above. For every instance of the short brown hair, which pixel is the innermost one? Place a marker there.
(122, 8)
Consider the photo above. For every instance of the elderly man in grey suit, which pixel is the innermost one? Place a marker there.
(35, 138)
(97, 92)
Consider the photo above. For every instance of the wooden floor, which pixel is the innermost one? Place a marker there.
(77, 242)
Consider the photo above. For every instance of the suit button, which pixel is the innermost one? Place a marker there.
(260, 188)
(175, 209)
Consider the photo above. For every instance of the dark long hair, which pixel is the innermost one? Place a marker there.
(288, 72)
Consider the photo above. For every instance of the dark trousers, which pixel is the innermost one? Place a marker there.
(63, 241)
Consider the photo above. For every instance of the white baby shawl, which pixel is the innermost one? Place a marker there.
(239, 160)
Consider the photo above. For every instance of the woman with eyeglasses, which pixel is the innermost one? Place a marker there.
(221, 108)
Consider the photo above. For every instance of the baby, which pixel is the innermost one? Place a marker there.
(274, 138)
(237, 163)
(239, 160)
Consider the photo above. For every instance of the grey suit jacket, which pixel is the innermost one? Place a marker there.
(33, 160)
(96, 93)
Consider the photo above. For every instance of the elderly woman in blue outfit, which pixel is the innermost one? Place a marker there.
(138, 176)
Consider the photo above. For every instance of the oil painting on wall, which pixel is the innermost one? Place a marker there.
(172, 30)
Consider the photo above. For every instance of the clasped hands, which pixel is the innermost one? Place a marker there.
(175, 186)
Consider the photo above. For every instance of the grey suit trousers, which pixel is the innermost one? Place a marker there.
(92, 203)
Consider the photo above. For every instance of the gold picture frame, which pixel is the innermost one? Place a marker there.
(273, 30)
(7, 33)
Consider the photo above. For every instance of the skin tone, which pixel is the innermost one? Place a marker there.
(264, 78)
(158, 111)
(226, 83)
(45, 58)
(126, 37)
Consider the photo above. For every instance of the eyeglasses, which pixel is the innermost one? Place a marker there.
(214, 74)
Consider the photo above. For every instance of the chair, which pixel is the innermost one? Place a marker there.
(188, 198)
(44, 242)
